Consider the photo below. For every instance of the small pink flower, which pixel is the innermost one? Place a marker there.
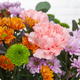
(38, 16)
(50, 38)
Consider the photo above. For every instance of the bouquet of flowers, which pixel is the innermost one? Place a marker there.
(37, 46)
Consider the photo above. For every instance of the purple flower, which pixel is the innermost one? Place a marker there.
(76, 33)
(73, 46)
(16, 4)
(15, 10)
(70, 75)
(60, 75)
(8, 4)
(34, 65)
(76, 64)
(2, 6)
(54, 65)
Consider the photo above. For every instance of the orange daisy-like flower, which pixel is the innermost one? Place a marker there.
(3, 21)
(30, 22)
(14, 22)
(6, 34)
(25, 41)
(5, 63)
(46, 73)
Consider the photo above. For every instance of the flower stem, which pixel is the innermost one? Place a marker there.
(1, 75)
(67, 73)
(56, 76)
(66, 56)
(39, 77)
(73, 77)
(15, 70)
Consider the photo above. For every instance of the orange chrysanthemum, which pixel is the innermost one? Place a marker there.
(3, 21)
(14, 22)
(30, 22)
(25, 41)
(5, 63)
(46, 73)
(6, 34)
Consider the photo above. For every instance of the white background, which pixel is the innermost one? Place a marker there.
(64, 10)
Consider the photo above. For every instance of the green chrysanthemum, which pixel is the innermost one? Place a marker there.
(18, 54)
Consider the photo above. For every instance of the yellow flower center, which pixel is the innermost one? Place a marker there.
(50, 63)
(6, 62)
(36, 63)
(69, 47)
(4, 35)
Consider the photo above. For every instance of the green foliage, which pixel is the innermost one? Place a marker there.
(18, 54)
(57, 21)
(74, 25)
(79, 21)
(51, 17)
(64, 25)
(43, 6)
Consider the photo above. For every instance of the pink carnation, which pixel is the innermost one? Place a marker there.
(50, 38)
(38, 16)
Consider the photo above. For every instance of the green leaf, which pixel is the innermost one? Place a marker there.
(64, 25)
(51, 17)
(74, 25)
(79, 21)
(3, 10)
(43, 6)
(56, 76)
(57, 21)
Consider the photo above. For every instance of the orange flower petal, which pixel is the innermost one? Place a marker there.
(46, 73)
(5, 63)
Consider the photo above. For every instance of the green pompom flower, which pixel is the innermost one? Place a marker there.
(18, 54)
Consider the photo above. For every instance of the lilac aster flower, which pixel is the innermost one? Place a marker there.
(76, 64)
(76, 33)
(2, 6)
(16, 4)
(73, 46)
(54, 65)
(60, 75)
(8, 4)
(70, 75)
(34, 65)
(15, 10)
